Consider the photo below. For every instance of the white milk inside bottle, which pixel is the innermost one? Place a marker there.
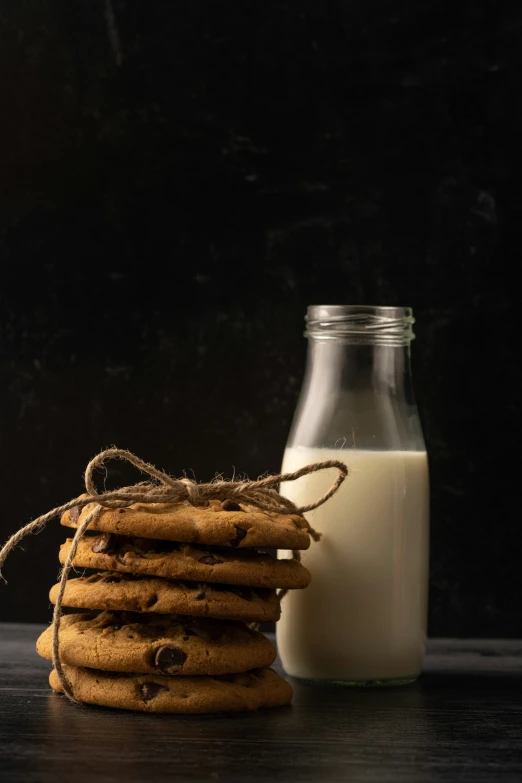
(363, 618)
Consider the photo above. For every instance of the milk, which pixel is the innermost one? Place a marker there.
(364, 615)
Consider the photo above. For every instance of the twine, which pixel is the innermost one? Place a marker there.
(258, 493)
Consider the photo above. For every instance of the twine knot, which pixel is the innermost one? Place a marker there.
(193, 493)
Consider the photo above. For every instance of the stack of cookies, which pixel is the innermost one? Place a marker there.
(175, 589)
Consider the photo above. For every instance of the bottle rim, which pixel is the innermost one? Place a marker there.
(370, 324)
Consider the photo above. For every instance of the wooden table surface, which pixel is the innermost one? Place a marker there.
(462, 721)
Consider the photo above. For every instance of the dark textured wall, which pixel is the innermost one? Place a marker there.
(180, 180)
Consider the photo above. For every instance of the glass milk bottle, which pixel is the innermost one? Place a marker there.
(363, 618)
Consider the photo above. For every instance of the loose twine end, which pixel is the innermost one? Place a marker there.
(164, 489)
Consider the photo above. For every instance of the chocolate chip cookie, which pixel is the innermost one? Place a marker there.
(167, 559)
(218, 524)
(129, 592)
(183, 695)
(127, 642)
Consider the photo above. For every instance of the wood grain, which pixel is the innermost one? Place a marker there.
(462, 721)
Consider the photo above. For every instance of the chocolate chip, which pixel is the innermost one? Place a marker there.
(210, 560)
(202, 594)
(74, 513)
(149, 690)
(240, 534)
(230, 505)
(104, 543)
(169, 659)
(121, 511)
(142, 546)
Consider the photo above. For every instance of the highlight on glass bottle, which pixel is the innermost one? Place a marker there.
(363, 619)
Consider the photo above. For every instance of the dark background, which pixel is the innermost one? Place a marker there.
(180, 181)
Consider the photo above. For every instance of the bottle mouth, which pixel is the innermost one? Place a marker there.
(363, 324)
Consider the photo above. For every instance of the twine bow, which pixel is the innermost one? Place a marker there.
(163, 489)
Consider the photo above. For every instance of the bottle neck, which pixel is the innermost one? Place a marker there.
(361, 368)
(356, 394)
